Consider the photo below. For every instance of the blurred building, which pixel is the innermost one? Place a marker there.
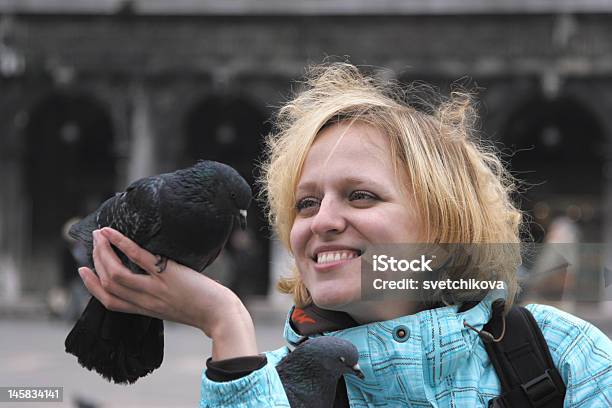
(96, 93)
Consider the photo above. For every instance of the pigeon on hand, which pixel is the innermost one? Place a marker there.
(310, 373)
(186, 216)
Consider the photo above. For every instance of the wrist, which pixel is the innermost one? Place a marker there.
(214, 313)
(234, 334)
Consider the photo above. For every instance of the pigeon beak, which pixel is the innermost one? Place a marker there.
(357, 371)
(243, 219)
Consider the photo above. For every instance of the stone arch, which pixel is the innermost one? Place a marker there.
(559, 151)
(68, 168)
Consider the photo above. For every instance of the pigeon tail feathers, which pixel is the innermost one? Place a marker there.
(98, 347)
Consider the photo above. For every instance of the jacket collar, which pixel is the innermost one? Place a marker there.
(311, 320)
(445, 341)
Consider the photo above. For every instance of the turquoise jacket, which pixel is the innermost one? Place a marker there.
(439, 363)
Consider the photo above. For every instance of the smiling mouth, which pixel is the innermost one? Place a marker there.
(328, 257)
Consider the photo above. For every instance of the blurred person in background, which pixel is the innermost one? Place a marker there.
(68, 299)
(553, 277)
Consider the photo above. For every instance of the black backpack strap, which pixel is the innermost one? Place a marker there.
(522, 361)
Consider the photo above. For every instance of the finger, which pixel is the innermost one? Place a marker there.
(98, 260)
(113, 270)
(135, 253)
(141, 300)
(103, 262)
(93, 285)
(111, 302)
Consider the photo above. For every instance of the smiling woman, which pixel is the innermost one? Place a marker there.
(372, 169)
(351, 165)
(341, 209)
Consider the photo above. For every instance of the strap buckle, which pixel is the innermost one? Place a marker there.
(541, 389)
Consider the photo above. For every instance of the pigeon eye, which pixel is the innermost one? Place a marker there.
(342, 359)
(233, 195)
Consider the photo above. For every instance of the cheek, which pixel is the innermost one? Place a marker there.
(377, 225)
(390, 226)
(298, 237)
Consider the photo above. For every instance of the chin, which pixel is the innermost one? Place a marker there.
(334, 300)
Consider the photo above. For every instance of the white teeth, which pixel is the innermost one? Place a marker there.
(334, 256)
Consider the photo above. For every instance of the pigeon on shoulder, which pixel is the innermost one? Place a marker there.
(186, 216)
(311, 372)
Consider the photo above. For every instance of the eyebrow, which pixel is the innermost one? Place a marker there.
(358, 181)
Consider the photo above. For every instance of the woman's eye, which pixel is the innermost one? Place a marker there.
(305, 203)
(362, 195)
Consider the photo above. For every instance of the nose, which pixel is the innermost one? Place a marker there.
(329, 218)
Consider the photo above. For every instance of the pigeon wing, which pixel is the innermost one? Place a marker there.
(82, 230)
(135, 212)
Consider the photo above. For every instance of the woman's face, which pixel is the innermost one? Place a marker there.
(348, 198)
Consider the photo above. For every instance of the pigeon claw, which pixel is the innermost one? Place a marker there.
(161, 263)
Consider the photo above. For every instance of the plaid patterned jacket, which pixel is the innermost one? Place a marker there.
(437, 363)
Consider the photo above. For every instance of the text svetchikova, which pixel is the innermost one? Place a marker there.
(385, 263)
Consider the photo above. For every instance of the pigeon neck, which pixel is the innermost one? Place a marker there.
(311, 388)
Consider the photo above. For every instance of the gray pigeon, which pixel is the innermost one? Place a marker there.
(310, 373)
(186, 216)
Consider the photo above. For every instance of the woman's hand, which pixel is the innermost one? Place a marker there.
(178, 293)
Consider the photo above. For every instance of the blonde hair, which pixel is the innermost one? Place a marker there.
(460, 187)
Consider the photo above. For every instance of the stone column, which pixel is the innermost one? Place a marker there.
(10, 243)
(142, 143)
